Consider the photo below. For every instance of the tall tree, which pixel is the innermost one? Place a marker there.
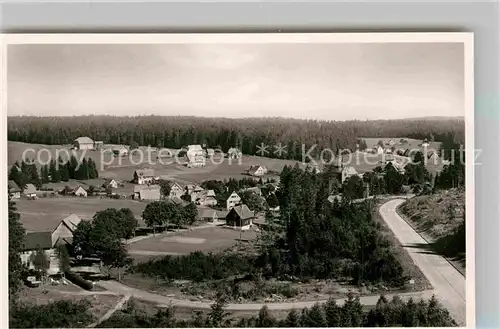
(16, 242)
(54, 173)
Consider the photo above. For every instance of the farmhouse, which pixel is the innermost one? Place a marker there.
(150, 193)
(144, 176)
(344, 172)
(196, 161)
(63, 233)
(255, 190)
(240, 217)
(120, 151)
(391, 143)
(234, 153)
(257, 170)
(79, 191)
(112, 183)
(190, 189)
(206, 198)
(35, 241)
(83, 143)
(14, 190)
(211, 215)
(176, 191)
(29, 191)
(233, 200)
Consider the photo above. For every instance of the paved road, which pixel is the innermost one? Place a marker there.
(163, 300)
(448, 283)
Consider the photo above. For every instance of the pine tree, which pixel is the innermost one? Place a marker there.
(332, 313)
(265, 319)
(44, 171)
(63, 170)
(315, 317)
(73, 167)
(55, 176)
(16, 242)
(292, 319)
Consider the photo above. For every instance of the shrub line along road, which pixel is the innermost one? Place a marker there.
(448, 283)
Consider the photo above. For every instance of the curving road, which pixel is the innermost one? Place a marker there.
(448, 283)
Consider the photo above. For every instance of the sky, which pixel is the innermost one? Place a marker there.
(308, 81)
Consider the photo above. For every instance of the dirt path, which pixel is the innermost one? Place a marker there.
(167, 301)
(448, 283)
(109, 313)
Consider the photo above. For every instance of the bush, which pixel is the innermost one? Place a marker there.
(79, 281)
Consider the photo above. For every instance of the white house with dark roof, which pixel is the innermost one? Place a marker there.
(83, 143)
(176, 191)
(35, 241)
(257, 170)
(206, 198)
(144, 176)
(233, 200)
(79, 191)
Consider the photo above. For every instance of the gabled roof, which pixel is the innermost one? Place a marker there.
(232, 194)
(13, 187)
(152, 191)
(234, 150)
(178, 201)
(208, 213)
(175, 184)
(34, 240)
(84, 140)
(255, 190)
(71, 222)
(146, 172)
(242, 211)
(138, 188)
(77, 188)
(30, 189)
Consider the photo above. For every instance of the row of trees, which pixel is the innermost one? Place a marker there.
(394, 313)
(103, 237)
(55, 172)
(247, 134)
(165, 212)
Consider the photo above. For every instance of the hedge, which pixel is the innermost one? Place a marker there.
(79, 281)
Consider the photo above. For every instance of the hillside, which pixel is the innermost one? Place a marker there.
(440, 218)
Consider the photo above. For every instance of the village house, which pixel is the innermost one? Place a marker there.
(432, 157)
(176, 191)
(344, 172)
(29, 191)
(120, 151)
(206, 198)
(144, 176)
(255, 190)
(35, 241)
(233, 200)
(196, 156)
(234, 153)
(14, 190)
(192, 188)
(111, 183)
(391, 143)
(83, 143)
(240, 217)
(79, 191)
(257, 170)
(212, 216)
(63, 233)
(378, 149)
(152, 192)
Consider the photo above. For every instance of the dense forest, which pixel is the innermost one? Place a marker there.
(247, 134)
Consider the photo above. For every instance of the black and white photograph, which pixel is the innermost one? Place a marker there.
(239, 180)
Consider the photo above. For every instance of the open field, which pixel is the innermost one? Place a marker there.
(44, 214)
(207, 239)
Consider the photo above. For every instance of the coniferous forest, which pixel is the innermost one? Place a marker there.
(248, 133)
